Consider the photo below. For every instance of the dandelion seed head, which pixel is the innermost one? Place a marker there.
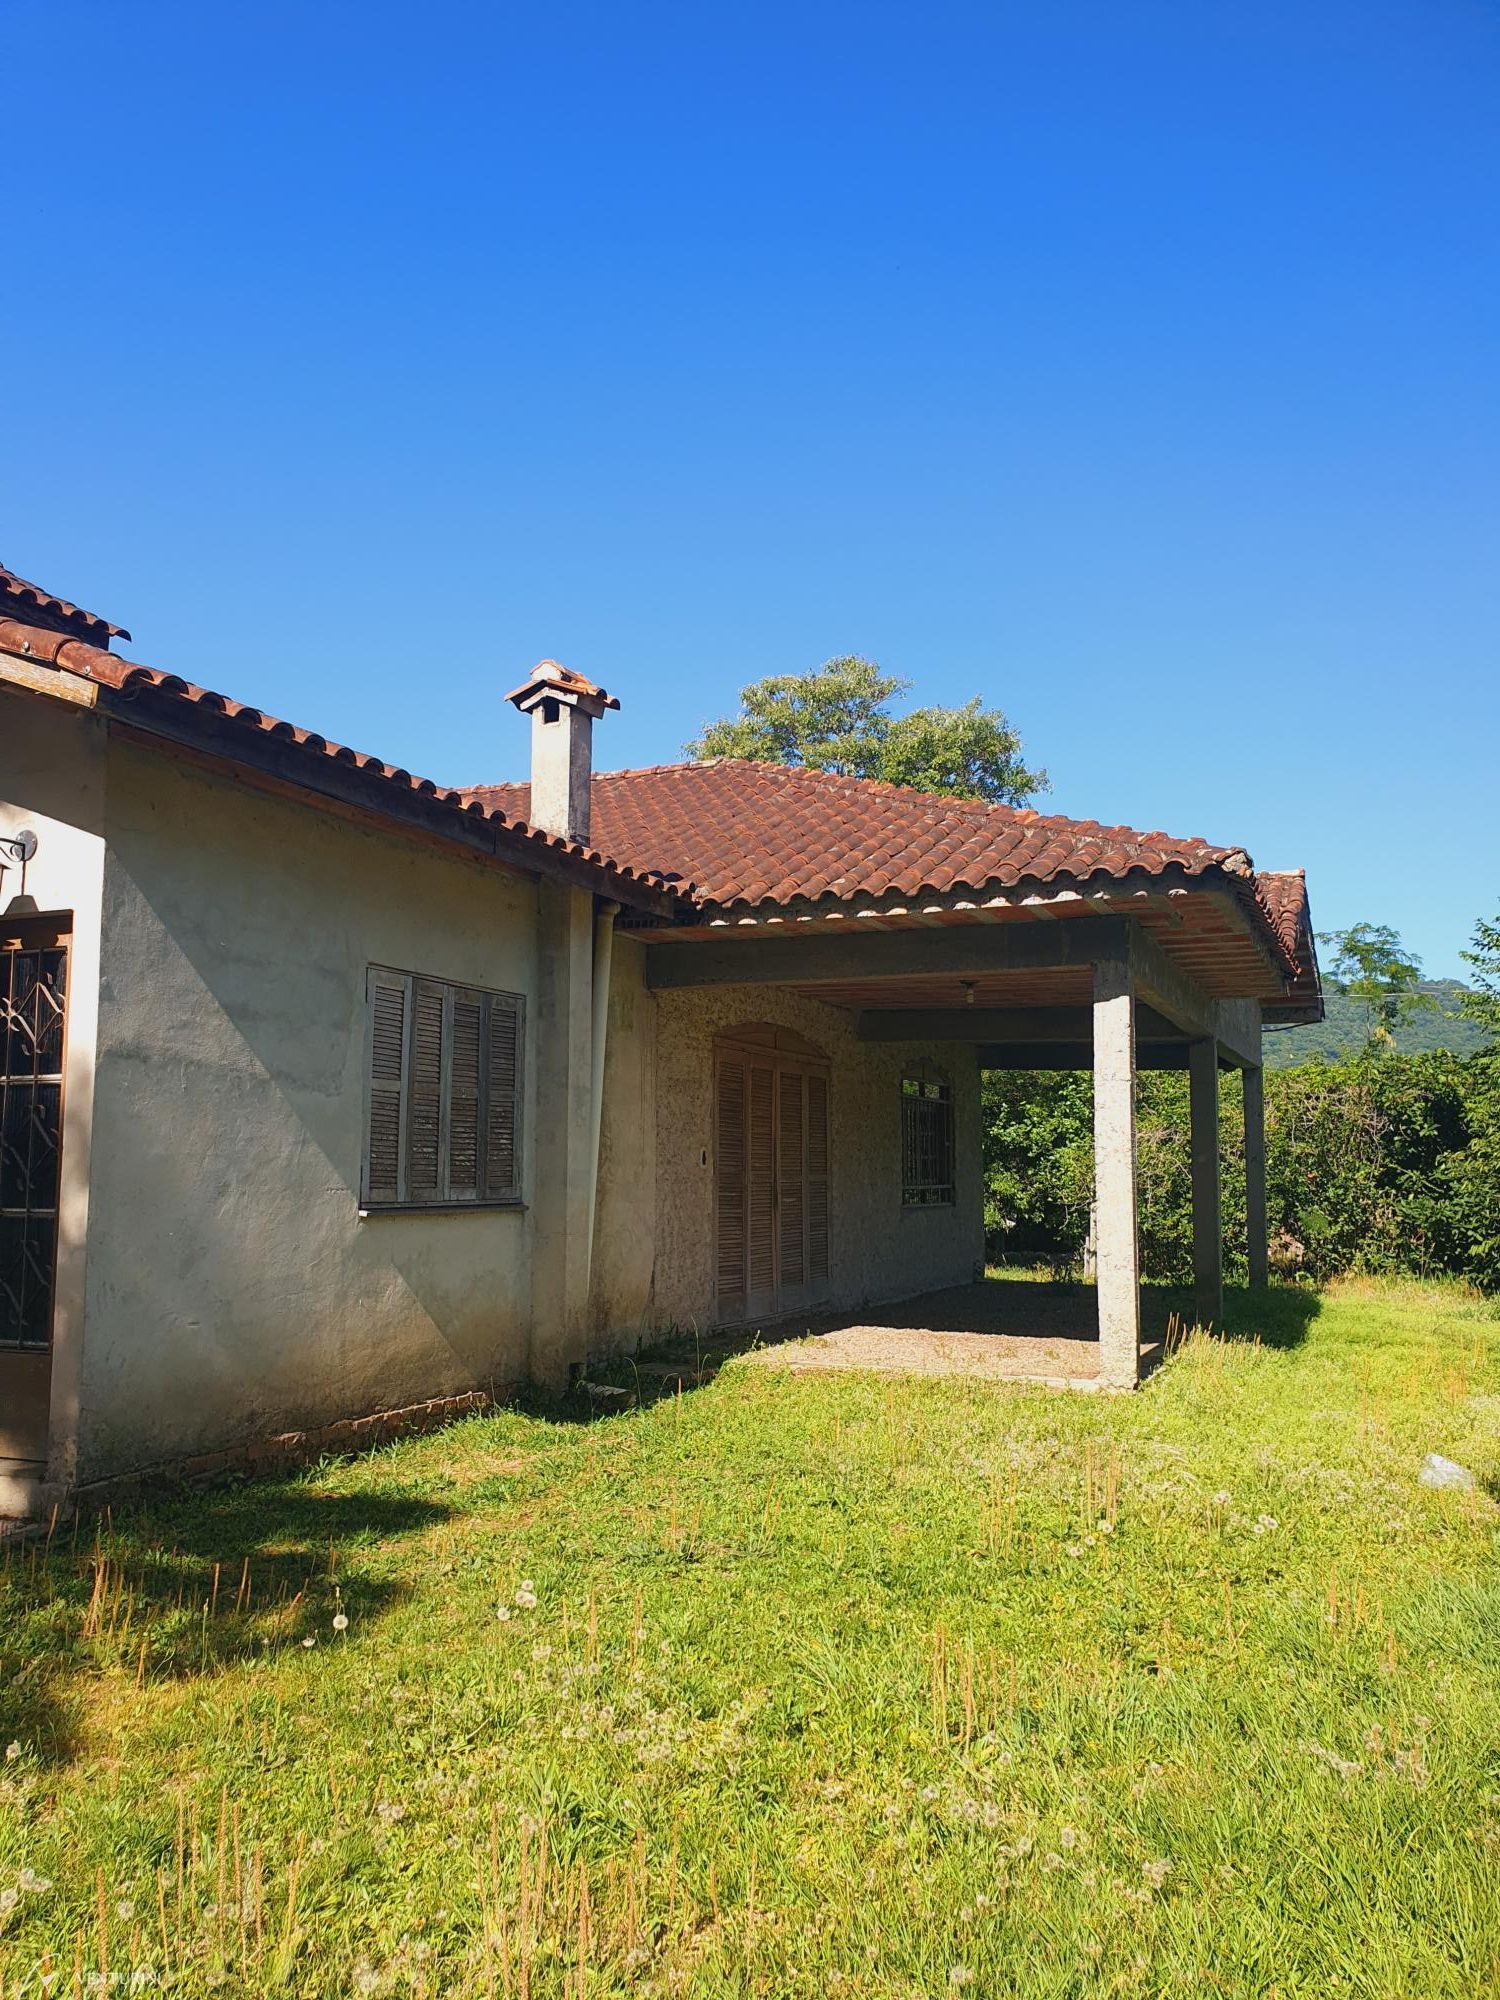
(340, 1622)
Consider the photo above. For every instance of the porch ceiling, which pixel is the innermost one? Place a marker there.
(1054, 986)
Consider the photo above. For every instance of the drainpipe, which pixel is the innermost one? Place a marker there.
(604, 944)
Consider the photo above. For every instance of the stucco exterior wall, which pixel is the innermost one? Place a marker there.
(877, 1249)
(233, 1287)
(625, 1225)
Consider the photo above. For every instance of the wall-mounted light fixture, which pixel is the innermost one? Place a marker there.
(17, 847)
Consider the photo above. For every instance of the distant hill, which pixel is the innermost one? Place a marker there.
(1441, 1026)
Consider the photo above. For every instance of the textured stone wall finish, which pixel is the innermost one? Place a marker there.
(877, 1249)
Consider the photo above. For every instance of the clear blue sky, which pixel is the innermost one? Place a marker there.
(1134, 366)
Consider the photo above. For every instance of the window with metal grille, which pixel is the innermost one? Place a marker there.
(33, 989)
(443, 1093)
(926, 1143)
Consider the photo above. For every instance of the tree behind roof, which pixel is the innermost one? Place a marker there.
(839, 719)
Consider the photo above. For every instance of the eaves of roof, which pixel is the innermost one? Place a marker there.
(165, 706)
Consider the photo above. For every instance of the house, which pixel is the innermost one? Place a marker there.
(328, 1091)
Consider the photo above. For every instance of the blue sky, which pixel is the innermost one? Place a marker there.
(1132, 366)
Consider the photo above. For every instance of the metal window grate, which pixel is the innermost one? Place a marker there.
(33, 1000)
(927, 1173)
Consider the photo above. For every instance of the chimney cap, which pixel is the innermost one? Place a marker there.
(549, 678)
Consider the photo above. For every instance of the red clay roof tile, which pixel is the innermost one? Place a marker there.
(22, 599)
(109, 670)
(748, 834)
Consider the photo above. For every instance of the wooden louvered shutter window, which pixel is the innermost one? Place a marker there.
(791, 1184)
(443, 1093)
(502, 1097)
(760, 1189)
(385, 1145)
(729, 1192)
(466, 1014)
(425, 1094)
(817, 1182)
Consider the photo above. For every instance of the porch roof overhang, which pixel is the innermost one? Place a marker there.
(1023, 981)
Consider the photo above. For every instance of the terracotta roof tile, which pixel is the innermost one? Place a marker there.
(747, 833)
(552, 674)
(1283, 897)
(126, 677)
(750, 835)
(26, 600)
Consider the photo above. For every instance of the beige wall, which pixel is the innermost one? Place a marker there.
(625, 1226)
(217, 1282)
(877, 1249)
(233, 1288)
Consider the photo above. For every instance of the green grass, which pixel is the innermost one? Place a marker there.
(831, 1686)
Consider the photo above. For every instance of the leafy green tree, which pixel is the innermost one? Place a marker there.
(1372, 966)
(1482, 1002)
(839, 718)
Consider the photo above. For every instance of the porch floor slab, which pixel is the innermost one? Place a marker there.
(997, 1329)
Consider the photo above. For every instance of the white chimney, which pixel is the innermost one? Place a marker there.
(563, 707)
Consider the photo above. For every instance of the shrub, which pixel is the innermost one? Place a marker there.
(1380, 1163)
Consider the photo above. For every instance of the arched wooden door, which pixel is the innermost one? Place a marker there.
(770, 1174)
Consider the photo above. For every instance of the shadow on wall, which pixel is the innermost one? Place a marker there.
(182, 1589)
(231, 1010)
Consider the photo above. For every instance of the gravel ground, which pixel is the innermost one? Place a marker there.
(921, 1350)
(996, 1329)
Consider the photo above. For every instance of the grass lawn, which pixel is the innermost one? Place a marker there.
(800, 1687)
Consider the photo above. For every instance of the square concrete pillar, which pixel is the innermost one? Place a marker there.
(1208, 1217)
(1116, 1251)
(560, 1041)
(1255, 1175)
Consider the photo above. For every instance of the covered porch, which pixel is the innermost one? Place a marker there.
(1082, 986)
(1004, 1327)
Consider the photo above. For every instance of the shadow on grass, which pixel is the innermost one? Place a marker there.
(1063, 1310)
(183, 1587)
(1278, 1316)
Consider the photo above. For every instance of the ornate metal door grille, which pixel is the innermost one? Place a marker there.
(33, 998)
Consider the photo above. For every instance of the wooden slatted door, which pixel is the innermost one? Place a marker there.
(771, 1214)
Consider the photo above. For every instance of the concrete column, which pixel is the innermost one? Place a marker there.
(1116, 1251)
(1255, 1174)
(560, 1039)
(1208, 1219)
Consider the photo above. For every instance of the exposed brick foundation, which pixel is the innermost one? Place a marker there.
(262, 1458)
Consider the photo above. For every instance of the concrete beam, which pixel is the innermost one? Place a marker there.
(758, 960)
(1116, 1249)
(1255, 1174)
(1208, 1218)
(1004, 1026)
(1075, 1055)
(1234, 1025)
